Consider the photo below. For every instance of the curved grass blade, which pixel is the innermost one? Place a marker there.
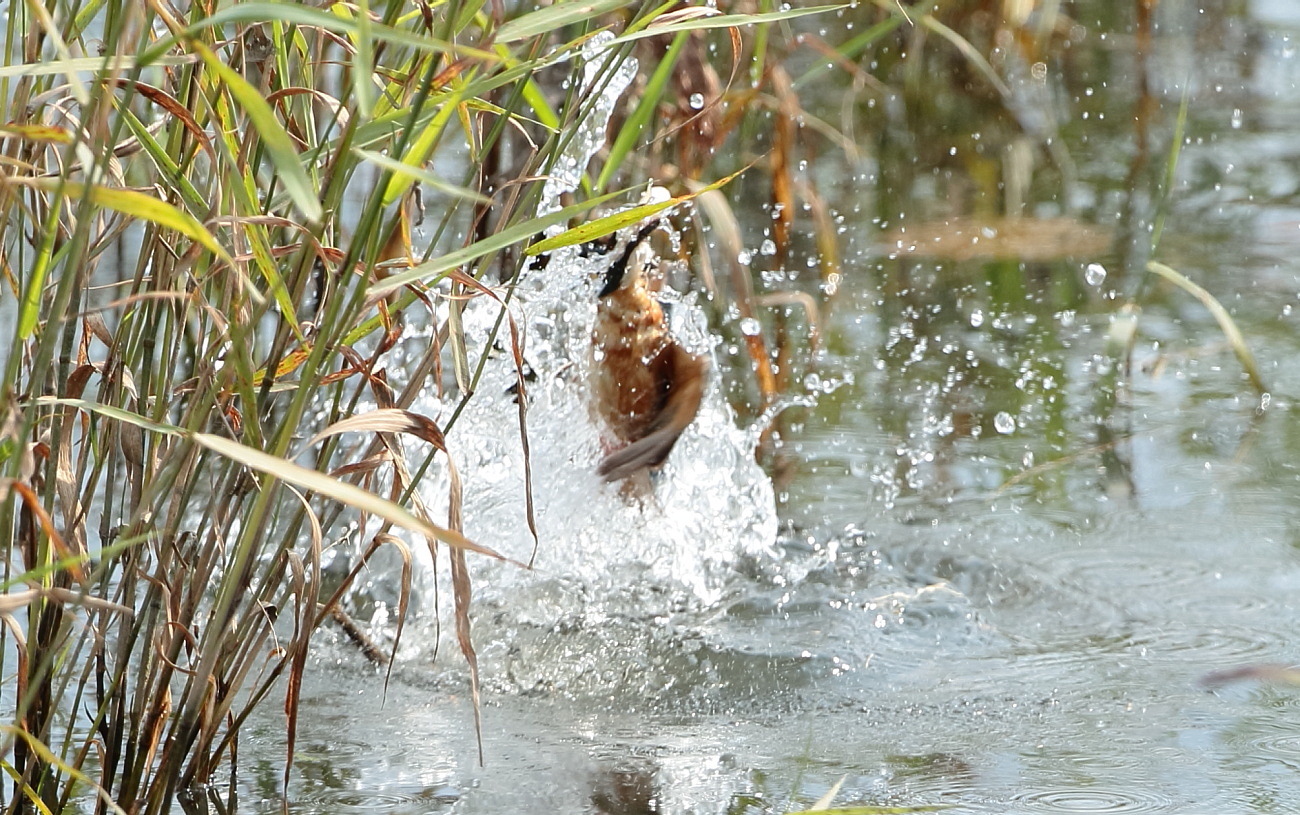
(421, 148)
(290, 473)
(1226, 324)
(724, 21)
(546, 20)
(506, 237)
(609, 224)
(47, 756)
(111, 65)
(306, 16)
(421, 175)
(969, 51)
(135, 204)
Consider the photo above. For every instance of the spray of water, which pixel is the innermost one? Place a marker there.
(710, 502)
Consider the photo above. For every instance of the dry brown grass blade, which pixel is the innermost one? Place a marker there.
(521, 398)
(460, 580)
(33, 503)
(403, 599)
(175, 109)
(304, 624)
(461, 592)
(338, 490)
(14, 600)
(387, 420)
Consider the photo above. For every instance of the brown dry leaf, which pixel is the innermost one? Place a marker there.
(1028, 239)
(388, 420)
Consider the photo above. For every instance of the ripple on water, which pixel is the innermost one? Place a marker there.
(1267, 742)
(1094, 799)
(390, 800)
(1209, 646)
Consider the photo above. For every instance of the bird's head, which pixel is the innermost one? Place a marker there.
(627, 266)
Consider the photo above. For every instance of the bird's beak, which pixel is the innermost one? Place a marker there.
(618, 269)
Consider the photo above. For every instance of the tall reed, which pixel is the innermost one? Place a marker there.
(208, 250)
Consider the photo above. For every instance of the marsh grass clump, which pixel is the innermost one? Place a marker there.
(220, 220)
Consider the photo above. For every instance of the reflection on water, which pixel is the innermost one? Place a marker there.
(1009, 555)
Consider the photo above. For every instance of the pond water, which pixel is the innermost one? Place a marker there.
(1010, 555)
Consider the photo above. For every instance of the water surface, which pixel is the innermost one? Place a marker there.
(1009, 554)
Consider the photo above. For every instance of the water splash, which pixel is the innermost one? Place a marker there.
(710, 504)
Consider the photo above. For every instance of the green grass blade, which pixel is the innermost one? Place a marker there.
(645, 109)
(725, 21)
(609, 224)
(546, 20)
(495, 243)
(421, 148)
(279, 146)
(421, 175)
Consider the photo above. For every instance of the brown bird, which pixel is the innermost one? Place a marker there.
(646, 387)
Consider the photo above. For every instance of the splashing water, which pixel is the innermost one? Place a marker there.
(710, 503)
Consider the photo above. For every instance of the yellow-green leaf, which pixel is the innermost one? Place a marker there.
(493, 243)
(609, 224)
(421, 149)
(137, 205)
(548, 19)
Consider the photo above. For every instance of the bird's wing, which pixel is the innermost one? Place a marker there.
(679, 411)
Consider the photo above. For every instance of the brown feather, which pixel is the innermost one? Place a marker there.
(646, 387)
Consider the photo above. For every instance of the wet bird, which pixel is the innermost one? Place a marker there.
(646, 387)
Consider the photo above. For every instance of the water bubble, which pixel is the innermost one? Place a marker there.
(976, 318)
(750, 327)
(1236, 119)
(1004, 423)
(1095, 274)
(768, 248)
(696, 101)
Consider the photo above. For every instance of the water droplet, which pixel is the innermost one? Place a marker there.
(1095, 274)
(750, 327)
(976, 318)
(1004, 423)
(696, 101)
(768, 248)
